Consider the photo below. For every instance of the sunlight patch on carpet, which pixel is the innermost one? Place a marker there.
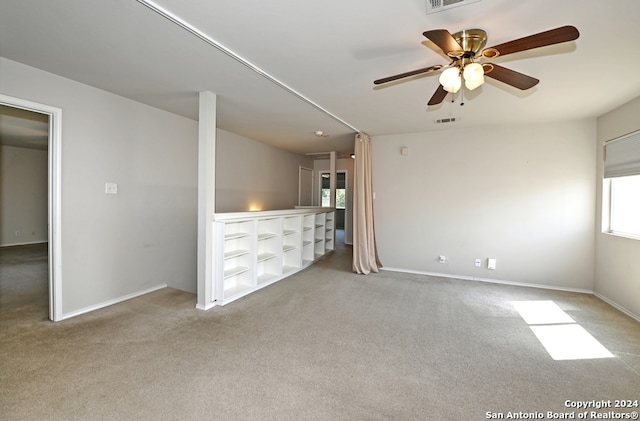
(570, 342)
(542, 312)
(561, 336)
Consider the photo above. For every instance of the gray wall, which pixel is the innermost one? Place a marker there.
(143, 237)
(23, 196)
(251, 175)
(523, 194)
(617, 277)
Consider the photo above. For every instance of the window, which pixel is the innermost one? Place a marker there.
(326, 200)
(624, 205)
(621, 189)
(340, 198)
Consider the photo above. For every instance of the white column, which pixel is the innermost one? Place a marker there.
(333, 181)
(206, 197)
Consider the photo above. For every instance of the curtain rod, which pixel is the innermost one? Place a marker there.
(206, 38)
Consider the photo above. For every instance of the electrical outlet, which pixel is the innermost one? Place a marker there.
(478, 263)
(111, 188)
(442, 259)
(17, 233)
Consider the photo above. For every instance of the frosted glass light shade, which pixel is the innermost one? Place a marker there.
(474, 83)
(473, 76)
(450, 80)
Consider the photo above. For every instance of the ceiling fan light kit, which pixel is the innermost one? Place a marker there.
(473, 74)
(465, 46)
(450, 80)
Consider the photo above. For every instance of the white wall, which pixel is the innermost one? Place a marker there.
(617, 268)
(251, 175)
(522, 194)
(143, 237)
(23, 196)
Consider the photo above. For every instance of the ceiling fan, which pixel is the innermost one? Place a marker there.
(466, 46)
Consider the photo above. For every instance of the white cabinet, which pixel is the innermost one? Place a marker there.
(255, 249)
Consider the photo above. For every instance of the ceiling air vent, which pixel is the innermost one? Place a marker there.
(434, 6)
(445, 120)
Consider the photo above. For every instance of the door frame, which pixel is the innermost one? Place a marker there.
(54, 197)
(302, 170)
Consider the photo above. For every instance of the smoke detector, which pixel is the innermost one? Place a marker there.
(434, 6)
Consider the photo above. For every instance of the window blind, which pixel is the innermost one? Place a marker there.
(622, 156)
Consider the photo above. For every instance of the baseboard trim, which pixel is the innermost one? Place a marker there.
(491, 281)
(207, 306)
(617, 306)
(108, 303)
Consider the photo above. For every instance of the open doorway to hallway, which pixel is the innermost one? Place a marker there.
(24, 213)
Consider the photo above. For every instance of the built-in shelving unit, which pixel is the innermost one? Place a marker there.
(308, 230)
(255, 249)
(329, 231)
(268, 259)
(237, 258)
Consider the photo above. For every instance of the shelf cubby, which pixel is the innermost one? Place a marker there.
(269, 244)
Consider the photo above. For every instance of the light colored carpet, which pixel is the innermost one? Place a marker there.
(324, 344)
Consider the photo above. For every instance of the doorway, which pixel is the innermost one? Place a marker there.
(305, 186)
(341, 199)
(21, 128)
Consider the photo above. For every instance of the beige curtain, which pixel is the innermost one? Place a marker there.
(365, 254)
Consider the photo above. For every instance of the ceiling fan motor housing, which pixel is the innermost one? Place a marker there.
(472, 42)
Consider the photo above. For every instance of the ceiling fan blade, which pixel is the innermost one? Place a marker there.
(510, 77)
(542, 39)
(443, 39)
(407, 74)
(439, 96)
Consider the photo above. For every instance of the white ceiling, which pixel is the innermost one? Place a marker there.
(328, 52)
